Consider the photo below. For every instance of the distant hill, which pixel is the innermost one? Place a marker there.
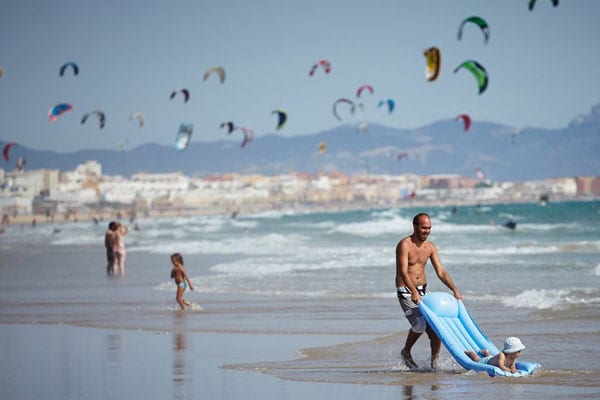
(503, 153)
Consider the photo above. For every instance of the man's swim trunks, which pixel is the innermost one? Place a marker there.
(411, 309)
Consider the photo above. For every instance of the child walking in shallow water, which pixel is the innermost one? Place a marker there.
(181, 278)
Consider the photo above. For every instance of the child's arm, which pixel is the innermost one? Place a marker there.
(501, 361)
(513, 366)
(187, 278)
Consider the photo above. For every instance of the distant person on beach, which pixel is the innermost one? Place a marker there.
(412, 254)
(505, 360)
(109, 237)
(119, 251)
(181, 278)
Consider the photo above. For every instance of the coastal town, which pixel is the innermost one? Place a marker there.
(85, 193)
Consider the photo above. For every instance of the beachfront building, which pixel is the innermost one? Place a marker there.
(226, 191)
(588, 185)
(78, 187)
(383, 189)
(555, 187)
(19, 188)
(148, 188)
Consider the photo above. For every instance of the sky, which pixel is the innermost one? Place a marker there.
(132, 54)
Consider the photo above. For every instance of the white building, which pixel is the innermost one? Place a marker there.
(143, 186)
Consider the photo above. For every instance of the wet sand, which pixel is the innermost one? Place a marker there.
(66, 362)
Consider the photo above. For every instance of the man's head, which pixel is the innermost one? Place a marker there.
(422, 226)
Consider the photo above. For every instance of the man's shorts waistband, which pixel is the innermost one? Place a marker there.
(422, 289)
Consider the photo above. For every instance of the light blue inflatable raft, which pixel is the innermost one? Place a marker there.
(458, 332)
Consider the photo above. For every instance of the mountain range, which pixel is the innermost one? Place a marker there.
(502, 152)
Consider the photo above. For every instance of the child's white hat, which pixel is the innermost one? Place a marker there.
(512, 345)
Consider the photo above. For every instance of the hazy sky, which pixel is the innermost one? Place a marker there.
(543, 65)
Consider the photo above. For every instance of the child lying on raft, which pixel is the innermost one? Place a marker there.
(505, 360)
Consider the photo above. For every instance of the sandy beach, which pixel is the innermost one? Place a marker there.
(68, 331)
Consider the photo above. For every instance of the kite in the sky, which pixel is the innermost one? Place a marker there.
(1, 71)
(478, 71)
(363, 88)
(532, 4)
(466, 121)
(325, 64)
(281, 118)
(140, 117)
(183, 136)
(389, 103)
(322, 148)
(101, 117)
(401, 156)
(230, 126)
(433, 63)
(480, 22)
(184, 92)
(479, 173)
(58, 110)
(71, 65)
(218, 70)
(7, 149)
(248, 135)
(21, 161)
(346, 101)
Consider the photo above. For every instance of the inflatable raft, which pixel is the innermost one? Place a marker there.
(458, 332)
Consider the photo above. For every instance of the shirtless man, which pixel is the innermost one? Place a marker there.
(412, 254)
(108, 243)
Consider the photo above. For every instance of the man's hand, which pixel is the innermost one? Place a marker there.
(415, 297)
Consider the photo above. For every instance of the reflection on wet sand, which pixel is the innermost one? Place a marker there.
(114, 353)
(410, 394)
(179, 367)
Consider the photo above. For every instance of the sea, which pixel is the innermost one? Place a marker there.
(331, 274)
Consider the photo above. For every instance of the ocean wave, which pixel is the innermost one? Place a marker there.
(319, 260)
(502, 251)
(555, 299)
(530, 248)
(370, 228)
(323, 225)
(446, 227)
(273, 243)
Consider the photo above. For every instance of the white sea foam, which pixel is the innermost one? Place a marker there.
(445, 227)
(554, 298)
(328, 225)
(249, 244)
(370, 228)
(502, 251)
(66, 239)
(318, 259)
